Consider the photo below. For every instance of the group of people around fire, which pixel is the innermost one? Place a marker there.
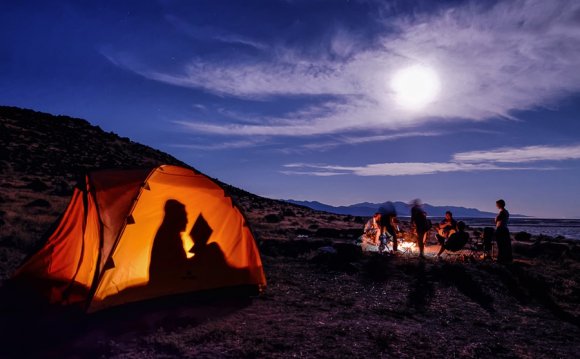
(383, 227)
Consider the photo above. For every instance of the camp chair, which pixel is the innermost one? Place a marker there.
(462, 253)
(486, 240)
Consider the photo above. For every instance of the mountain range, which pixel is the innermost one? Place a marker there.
(402, 208)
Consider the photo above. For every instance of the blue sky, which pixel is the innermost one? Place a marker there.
(296, 99)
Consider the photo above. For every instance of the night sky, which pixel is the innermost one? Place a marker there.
(296, 99)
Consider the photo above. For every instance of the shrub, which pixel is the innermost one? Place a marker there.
(288, 213)
(38, 203)
(272, 218)
(328, 232)
(523, 237)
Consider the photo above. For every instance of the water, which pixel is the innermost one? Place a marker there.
(569, 228)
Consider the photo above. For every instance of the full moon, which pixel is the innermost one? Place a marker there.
(415, 87)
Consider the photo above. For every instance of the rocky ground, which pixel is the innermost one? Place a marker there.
(327, 299)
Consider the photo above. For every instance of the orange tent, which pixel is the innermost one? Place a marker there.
(130, 235)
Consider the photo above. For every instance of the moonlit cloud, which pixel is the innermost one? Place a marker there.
(400, 169)
(314, 173)
(521, 155)
(205, 32)
(216, 146)
(492, 160)
(354, 140)
(491, 60)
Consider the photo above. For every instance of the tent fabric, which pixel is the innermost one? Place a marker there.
(115, 191)
(133, 235)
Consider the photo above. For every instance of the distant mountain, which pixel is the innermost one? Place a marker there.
(367, 209)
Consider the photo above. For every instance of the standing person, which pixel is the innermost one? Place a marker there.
(389, 226)
(502, 234)
(421, 223)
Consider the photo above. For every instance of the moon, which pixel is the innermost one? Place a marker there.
(415, 87)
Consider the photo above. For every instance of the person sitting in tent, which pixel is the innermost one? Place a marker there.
(371, 236)
(447, 227)
(167, 254)
(456, 241)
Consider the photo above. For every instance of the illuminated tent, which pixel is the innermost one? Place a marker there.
(130, 235)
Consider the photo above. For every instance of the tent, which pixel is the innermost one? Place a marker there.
(131, 235)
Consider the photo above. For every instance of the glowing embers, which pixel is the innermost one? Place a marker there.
(407, 243)
(407, 247)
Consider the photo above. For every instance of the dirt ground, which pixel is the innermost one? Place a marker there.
(324, 299)
(335, 304)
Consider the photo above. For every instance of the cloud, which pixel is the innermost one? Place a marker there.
(220, 145)
(491, 60)
(492, 160)
(521, 155)
(355, 140)
(400, 169)
(418, 168)
(314, 173)
(210, 32)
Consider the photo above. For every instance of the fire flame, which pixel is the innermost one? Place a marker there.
(406, 246)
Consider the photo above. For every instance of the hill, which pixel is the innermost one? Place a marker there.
(43, 156)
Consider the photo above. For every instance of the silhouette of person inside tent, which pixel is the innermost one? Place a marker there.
(169, 265)
(168, 258)
(208, 259)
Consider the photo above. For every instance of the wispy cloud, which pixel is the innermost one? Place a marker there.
(314, 173)
(355, 140)
(221, 145)
(401, 169)
(492, 160)
(492, 60)
(521, 155)
(210, 32)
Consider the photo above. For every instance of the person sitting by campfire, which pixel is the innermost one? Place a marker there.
(371, 235)
(456, 241)
(447, 227)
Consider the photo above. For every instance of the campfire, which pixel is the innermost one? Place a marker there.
(407, 247)
(407, 243)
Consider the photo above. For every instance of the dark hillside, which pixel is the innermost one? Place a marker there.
(39, 144)
(42, 156)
